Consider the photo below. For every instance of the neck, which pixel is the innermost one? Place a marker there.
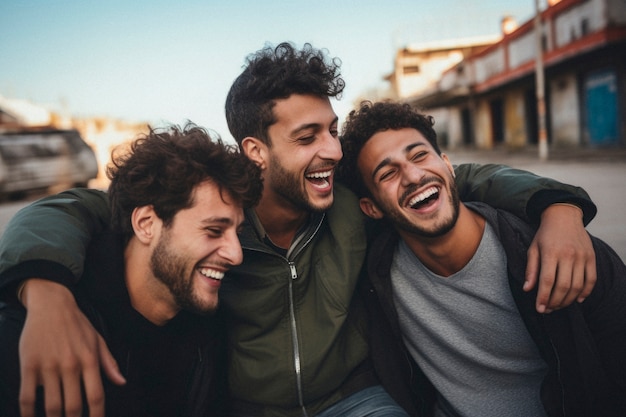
(448, 254)
(148, 296)
(280, 221)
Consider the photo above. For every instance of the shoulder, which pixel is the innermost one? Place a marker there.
(345, 208)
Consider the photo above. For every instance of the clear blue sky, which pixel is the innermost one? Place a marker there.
(164, 61)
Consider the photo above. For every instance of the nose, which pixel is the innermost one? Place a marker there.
(230, 250)
(330, 148)
(411, 173)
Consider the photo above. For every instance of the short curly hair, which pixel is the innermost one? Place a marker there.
(365, 122)
(277, 73)
(163, 167)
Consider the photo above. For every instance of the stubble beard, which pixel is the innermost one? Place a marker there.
(401, 222)
(171, 269)
(287, 184)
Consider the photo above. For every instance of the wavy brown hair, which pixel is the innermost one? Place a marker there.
(276, 73)
(163, 167)
(369, 119)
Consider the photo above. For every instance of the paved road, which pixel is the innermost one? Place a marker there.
(601, 174)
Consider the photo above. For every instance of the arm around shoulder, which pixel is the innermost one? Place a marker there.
(518, 191)
(54, 229)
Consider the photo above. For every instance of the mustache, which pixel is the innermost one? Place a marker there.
(413, 187)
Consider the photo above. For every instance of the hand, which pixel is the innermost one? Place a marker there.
(561, 256)
(59, 349)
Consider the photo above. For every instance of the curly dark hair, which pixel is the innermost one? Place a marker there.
(365, 122)
(276, 73)
(163, 167)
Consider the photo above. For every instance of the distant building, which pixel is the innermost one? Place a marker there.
(418, 67)
(488, 98)
(15, 113)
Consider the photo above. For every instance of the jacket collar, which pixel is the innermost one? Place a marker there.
(254, 237)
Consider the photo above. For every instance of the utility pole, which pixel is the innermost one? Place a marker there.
(539, 86)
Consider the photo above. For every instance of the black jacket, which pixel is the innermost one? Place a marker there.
(192, 342)
(584, 345)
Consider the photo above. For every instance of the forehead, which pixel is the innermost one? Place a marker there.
(300, 110)
(209, 202)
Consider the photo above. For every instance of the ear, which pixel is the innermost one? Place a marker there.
(370, 208)
(255, 150)
(146, 223)
(450, 167)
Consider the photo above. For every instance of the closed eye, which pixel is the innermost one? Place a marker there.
(214, 231)
(419, 155)
(386, 175)
(306, 139)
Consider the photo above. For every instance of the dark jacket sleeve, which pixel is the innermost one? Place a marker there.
(49, 238)
(517, 191)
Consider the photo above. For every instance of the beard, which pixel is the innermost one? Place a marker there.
(172, 270)
(287, 185)
(440, 228)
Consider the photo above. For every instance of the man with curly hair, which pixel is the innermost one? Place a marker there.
(297, 329)
(150, 284)
(452, 334)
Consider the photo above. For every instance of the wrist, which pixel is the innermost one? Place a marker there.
(36, 292)
(563, 208)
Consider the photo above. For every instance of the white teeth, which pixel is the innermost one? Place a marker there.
(422, 196)
(325, 174)
(212, 273)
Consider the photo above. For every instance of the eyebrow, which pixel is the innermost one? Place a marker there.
(316, 126)
(221, 220)
(387, 161)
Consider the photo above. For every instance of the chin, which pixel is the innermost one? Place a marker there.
(205, 309)
(321, 204)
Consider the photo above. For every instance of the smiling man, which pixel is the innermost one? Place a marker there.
(444, 291)
(297, 328)
(150, 286)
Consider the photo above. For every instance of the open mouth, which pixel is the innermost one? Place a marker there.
(424, 198)
(212, 273)
(320, 179)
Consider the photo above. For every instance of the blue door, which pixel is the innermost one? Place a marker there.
(601, 107)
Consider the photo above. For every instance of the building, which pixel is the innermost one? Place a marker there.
(488, 98)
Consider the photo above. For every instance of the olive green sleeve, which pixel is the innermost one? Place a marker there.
(517, 191)
(52, 232)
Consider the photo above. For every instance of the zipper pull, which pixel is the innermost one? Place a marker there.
(294, 273)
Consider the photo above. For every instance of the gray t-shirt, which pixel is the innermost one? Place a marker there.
(466, 334)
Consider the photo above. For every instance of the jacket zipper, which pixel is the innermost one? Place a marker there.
(294, 340)
(294, 325)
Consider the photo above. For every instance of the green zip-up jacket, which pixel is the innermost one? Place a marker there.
(297, 330)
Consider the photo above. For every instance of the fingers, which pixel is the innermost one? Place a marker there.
(94, 392)
(109, 364)
(62, 393)
(532, 267)
(562, 258)
(71, 390)
(591, 277)
(562, 280)
(52, 395)
(546, 276)
(28, 388)
(92, 379)
(566, 284)
(60, 350)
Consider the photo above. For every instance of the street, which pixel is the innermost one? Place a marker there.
(601, 173)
